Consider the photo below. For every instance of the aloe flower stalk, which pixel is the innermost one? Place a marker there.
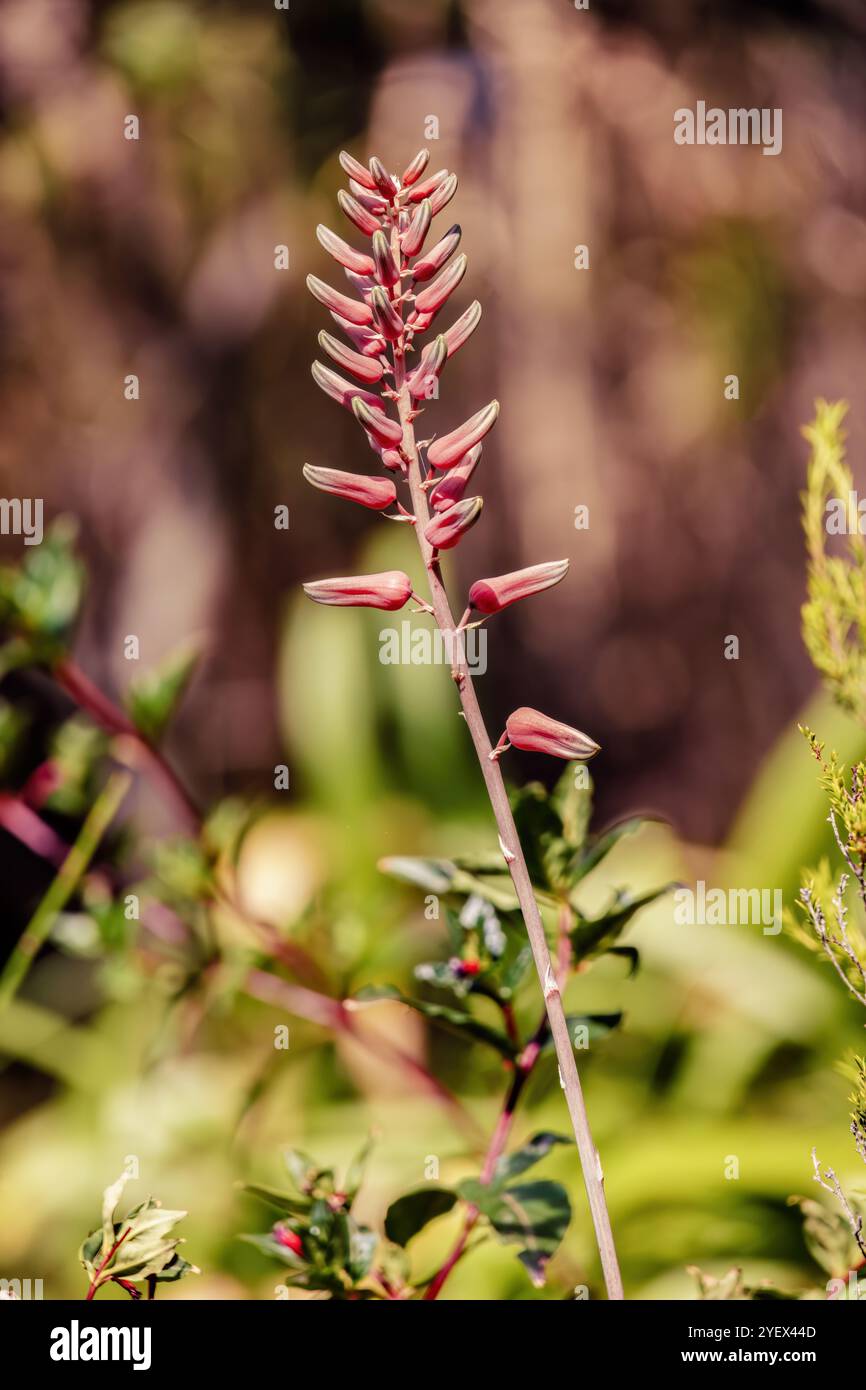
(385, 324)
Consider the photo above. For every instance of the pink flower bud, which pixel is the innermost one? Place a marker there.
(367, 369)
(284, 1235)
(463, 328)
(363, 220)
(338, 388)
(384, 430)
(430, 301)
(373, 202)
(358, 261)
(382, 179)
(376, 493)
(385, 316)
(424, 190)
(443, 194)
(356, 170)
(492, 595)
(361, 284)
(366, 340)
(386, 268)
(538, 733)
(390, 590)
(422, 382)
(428, 265)
(451, 488)
(446, 529)
(392, 459)
(413, 171)
(412, 239)
(338, 303)
(445, 452)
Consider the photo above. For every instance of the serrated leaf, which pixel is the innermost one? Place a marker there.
(464, 1024)
(412, 1212)
(154, 696)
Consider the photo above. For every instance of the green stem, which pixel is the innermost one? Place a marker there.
(63, 885)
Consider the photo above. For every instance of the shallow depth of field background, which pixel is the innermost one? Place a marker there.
(157, 258)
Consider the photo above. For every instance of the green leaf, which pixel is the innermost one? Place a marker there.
(593, 936)
(598, 1026)
(431, 875)
(545, 848)
(153, 697)
(828, 1236)
(269, 1245)
(410, 1213)
(357, 1168)
(362, 1250)
(534, 1213)
(41, 596)
(464, 1024)
(573, 803)
(598, 846)
(300, 1167)
(539, 1146)
(284, 1202)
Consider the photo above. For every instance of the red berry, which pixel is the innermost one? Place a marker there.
(470, 967)
(289, 1238)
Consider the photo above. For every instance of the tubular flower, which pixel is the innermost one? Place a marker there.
(445, 452)
(376, 493)
(338, 303)
(426, 189)
(357, 171)
(452, 486)
(368, 369)
(363, 220)
(390, 590)
(492, 595)
(413, 238)
(435, 295)
(427, 266)
(538, 733)
(376, 422)
(345, 254)
(340, 390)
(422, 382)
(413, 171)
(447, 527)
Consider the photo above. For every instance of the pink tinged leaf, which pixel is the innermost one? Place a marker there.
(347, 256)
(412, 239)
(538, 733)
(430, 301)
(447, 528)
(340, 390)
(386, 317)
(463, 328)
(382, 179)
(492, 595)
(363, 220)
(384, 430)
(451, 488)
(338, 303)
(366, 341)
(413, 171)
(356, 171)
(389, 590)
(445, 452)
(367, 369)
(386, 268)
(422, 382)
(373, 202)
(428, 265)
(443, 194)
(376, 493)
(424, 190)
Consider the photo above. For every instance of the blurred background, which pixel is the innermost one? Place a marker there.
(155, 257)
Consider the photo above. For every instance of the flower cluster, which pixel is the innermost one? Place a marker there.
(398, 289)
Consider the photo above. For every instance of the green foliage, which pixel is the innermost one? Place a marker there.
(139, 1248)
(154, 696)
(40, 599)
(834, 615)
